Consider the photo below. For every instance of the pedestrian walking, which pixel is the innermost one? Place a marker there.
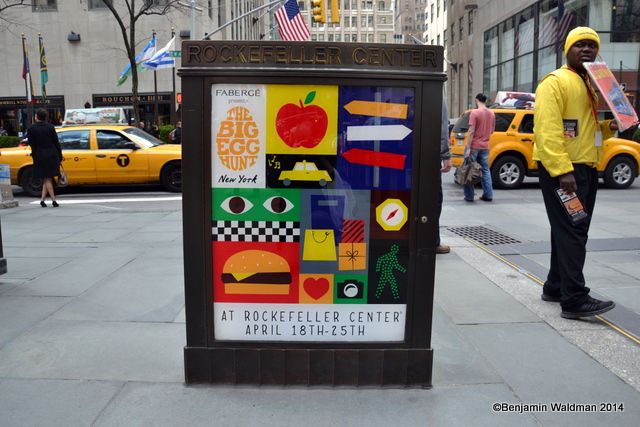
(46, 154)
(445, 166)
(155, 130)
(176, 134)
(568, 144)
(482, 122)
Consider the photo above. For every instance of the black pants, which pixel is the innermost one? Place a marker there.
(568, 240)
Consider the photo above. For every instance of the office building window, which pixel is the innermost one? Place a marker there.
(461, 28)
(453, 33)
(438, 39)
(44, 5)
(354, 38)
(546, 61)
(437, 8)
(98, 4)
(381, 6)
(625, 21)
(524, 78)
(470, 22)
(156, 3)
(382, 38)
(444, 37)
(525, 31)
(431, 12)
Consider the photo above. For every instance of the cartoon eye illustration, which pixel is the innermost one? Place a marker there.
(278, 205)
(236, 205)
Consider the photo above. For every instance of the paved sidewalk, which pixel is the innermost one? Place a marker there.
(92, 315)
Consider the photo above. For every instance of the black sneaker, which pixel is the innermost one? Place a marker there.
(590, 307)
(550, 297)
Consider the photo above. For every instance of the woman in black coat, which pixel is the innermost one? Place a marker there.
(46, 153)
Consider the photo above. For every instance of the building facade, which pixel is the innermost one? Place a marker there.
(513, 44)
(366, 21)
(85, 53)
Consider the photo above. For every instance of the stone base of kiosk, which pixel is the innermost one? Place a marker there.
(309, 367)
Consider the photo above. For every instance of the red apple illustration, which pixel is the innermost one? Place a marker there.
(303, 125)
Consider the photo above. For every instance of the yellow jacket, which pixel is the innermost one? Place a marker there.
(563, 105)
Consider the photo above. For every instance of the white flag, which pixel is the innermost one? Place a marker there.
(162, 58)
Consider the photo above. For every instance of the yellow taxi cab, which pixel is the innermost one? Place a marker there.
(103, 154)
(511, 151)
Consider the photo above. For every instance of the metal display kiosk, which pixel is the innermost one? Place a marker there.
(310, 181)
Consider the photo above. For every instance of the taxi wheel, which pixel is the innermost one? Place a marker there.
(620, 173)
(30, 185)
(507, 172)
(171, 177)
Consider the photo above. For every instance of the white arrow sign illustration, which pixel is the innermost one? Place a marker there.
(377, 133)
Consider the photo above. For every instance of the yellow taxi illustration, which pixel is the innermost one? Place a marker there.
(305, 171)
(103, 154)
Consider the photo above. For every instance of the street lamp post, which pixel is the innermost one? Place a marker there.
(193, 7)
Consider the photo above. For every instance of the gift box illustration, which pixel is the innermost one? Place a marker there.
(352, 256)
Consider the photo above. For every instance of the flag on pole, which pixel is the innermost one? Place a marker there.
(162, 58)
(146, 54)
(26, 72)
(44, 74)
(291, 25)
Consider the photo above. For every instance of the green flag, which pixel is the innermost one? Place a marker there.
(44, 75)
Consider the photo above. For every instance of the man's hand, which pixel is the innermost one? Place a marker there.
(446, 166)
(568, 182)
(467, 152)
(613, 125)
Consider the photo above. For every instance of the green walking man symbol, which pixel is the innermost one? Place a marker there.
(385, 265)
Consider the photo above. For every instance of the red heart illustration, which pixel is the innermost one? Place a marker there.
(316, 288)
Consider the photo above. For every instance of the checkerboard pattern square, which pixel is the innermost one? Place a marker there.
(256, 231)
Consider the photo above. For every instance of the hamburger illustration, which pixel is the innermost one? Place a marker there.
(256, 272)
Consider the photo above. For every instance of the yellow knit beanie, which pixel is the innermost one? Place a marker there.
(580, 33)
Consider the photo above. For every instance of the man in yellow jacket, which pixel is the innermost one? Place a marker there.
(568, 146)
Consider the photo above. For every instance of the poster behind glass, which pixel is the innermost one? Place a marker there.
(310, 205)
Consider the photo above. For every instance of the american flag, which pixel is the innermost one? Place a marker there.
(290, 23)
(556, 28)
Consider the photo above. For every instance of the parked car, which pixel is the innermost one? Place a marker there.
(511, 151)
(103, 154)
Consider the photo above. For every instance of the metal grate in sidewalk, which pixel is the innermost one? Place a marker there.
(483, 235)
